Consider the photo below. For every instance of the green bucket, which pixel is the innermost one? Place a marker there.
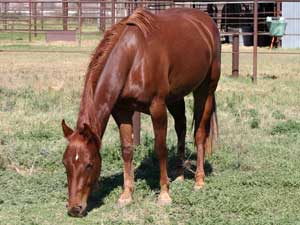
(276, 26)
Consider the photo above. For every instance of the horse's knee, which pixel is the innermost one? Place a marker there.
(161, 152)
(127, 152)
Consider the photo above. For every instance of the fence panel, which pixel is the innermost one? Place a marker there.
(90, 18)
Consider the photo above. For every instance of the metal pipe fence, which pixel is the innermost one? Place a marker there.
(239, 22)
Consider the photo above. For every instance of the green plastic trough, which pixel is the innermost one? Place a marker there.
(276, 26)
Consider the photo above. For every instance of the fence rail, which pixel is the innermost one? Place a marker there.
(239, 22)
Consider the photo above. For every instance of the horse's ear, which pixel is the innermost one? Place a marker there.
(67, 130)
(89, 134)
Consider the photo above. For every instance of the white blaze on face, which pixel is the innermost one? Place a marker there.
(77, 156)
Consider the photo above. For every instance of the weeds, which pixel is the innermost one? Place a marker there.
(278, 115)
(286, 127)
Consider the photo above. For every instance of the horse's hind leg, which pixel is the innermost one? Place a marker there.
(203, 108)
(177, 110)
(124, 122)
(201, 122)
(158, 112)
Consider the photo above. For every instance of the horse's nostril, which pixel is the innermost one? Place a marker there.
(80, 207)
(75, 211)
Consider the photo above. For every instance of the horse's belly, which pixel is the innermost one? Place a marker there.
(188, 76)
(177, 92)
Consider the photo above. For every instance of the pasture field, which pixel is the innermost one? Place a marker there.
(253, 177)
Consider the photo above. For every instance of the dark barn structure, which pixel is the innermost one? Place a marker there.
(237, 16)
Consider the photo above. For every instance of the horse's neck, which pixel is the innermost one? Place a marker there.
(87, 114)
(107, 91)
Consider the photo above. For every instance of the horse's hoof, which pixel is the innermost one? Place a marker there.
(123, 201)
(179, 178)
(164, 199)
(198, 186)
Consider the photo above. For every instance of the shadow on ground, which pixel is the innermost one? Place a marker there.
(148, 170)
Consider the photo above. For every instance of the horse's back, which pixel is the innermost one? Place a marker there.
(190, 40)
(174, 58)
(185, 23)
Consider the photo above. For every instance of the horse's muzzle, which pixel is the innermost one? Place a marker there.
(77, 211)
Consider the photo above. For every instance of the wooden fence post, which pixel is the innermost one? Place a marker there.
(102, 15)
(113, 16)
(235, 54)
(42, 15)
(255, 34)
(5, 15)
(136, 120)
(79, 13)
(35, 18)
(29, 21)
(278, 14)
(65, 14)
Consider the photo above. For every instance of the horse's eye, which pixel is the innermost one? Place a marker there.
(89, 166)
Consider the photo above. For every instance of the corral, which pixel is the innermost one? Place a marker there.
(252, 176)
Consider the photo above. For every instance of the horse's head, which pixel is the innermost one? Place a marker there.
(83, 165)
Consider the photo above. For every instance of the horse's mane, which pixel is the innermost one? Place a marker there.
(141, 18)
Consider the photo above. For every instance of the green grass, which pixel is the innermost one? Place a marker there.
(22, 38)
(253, 176)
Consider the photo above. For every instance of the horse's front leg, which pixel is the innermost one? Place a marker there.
(124, 122)
(158, 111)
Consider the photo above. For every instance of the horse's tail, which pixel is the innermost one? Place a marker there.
(213, 131)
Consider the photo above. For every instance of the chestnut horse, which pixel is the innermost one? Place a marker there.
(145, 63)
